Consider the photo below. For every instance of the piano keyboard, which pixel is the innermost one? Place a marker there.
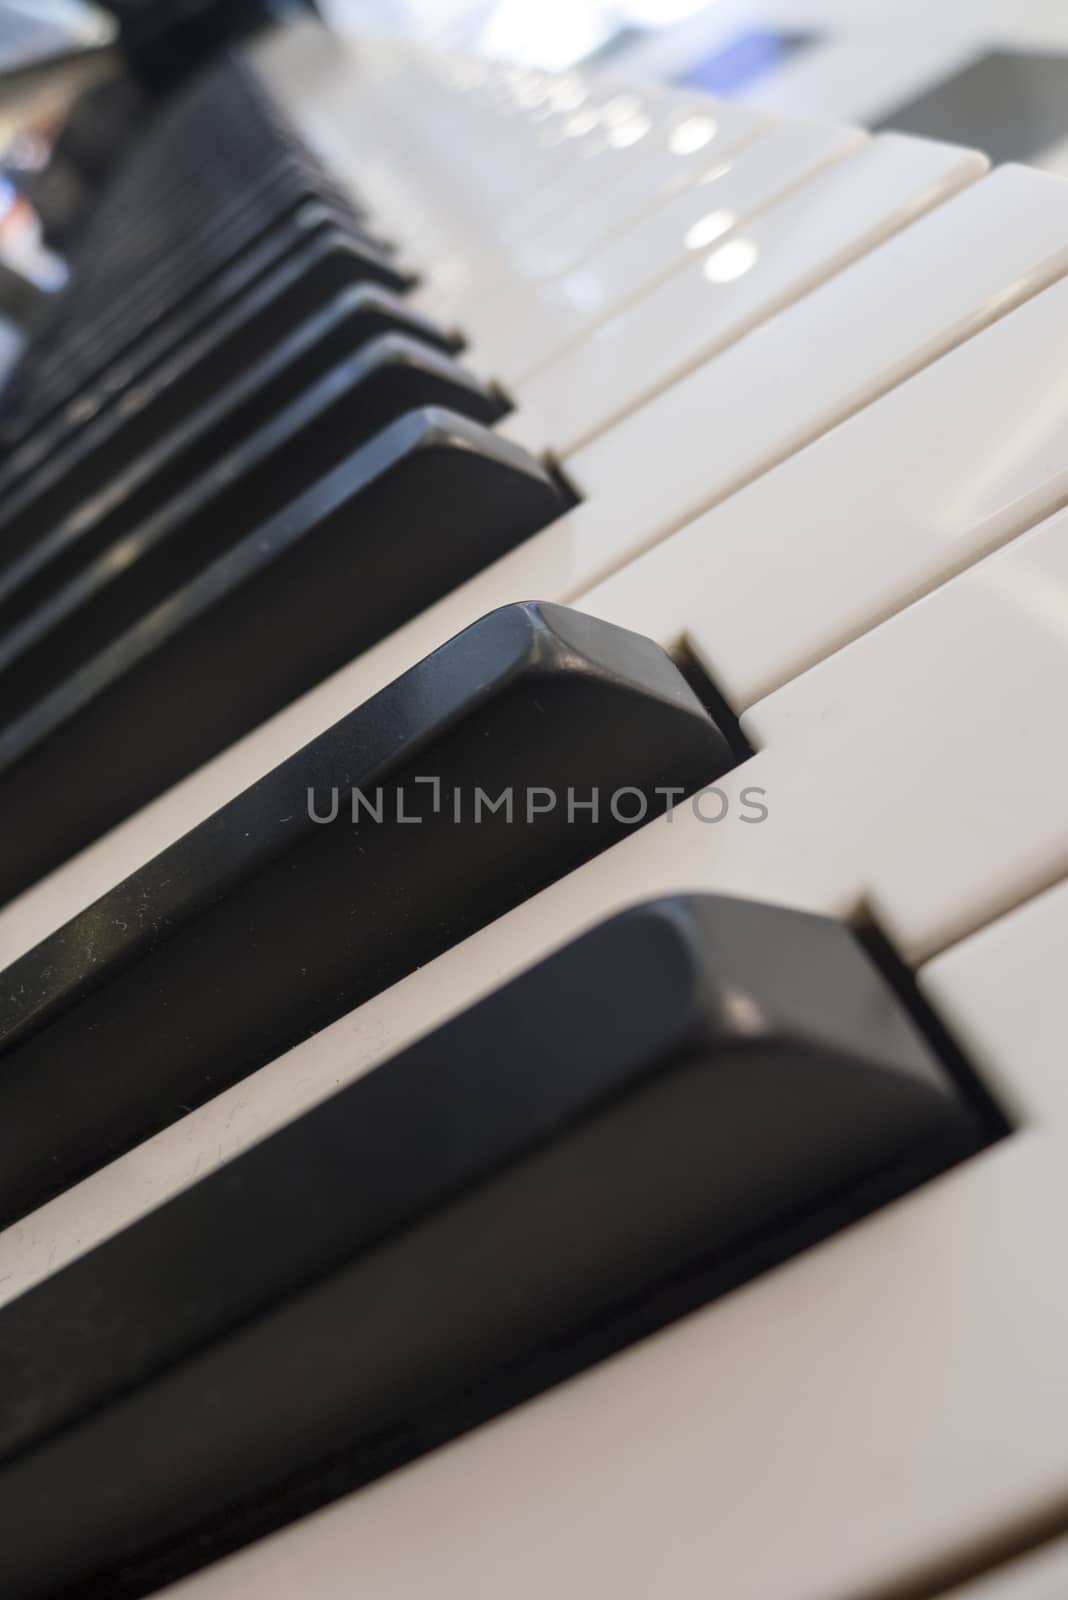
(533, 618)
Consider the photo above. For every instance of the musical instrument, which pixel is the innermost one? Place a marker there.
(533, 617)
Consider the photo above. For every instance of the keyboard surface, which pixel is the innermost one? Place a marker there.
(485, 430)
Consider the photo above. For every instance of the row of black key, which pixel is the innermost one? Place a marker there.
(280, 464)
(210, 505)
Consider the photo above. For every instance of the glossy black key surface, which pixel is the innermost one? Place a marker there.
(346, 324)
(417, 510)
(299, 288)
(694, 1089)
(103, 576)
(165, 230)
(279, 913)
(92, 372)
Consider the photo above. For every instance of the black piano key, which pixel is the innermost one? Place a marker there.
(348, 321)
(280, 913)
(93, 579)
(253, 221)
(153, 402)
(112, 357)
(413, 513)
(696, 1088)
(173, 239)
(88, 372)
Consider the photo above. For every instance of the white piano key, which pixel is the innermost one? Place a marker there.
(696, 144)
(929, 479)
(602, 147)
(631, 188)
(530, 333)
(932, 286)
(736, 284)
(798, 1403)
(414, 150)
(936, 284)
(684, 134)
(1002, 993)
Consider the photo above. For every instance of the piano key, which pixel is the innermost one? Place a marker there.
(929, 1294)
(521, 338)
(838, 216)
(862, 801)
(86, 385)
(503, 1494)
(935, 287)
(300, 287)
(432, 497)
(620, 512)
(512, 167)
(693, 1089)
(700, 141)
(256, 929)
(705, 140)
(82, 587)
(179, 258)
(597, 156)
(246, 239)
(972, 1287)
(87, 372)
(974, 1259)
(345, 325)
(875, 513)
(473, 287)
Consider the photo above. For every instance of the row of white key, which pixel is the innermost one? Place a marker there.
(916, 772)
(574, 167)
(526, 330)
(890, 1403)
(612, 1514)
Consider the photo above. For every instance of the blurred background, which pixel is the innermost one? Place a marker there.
(77, 79)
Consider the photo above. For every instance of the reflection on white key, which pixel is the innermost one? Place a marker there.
(681, 140)
(695, 145)
(546, 322)
(602, 147)
(935, 475)
(629, 189)
(924, 291)
(737, 284)
(618, 135)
